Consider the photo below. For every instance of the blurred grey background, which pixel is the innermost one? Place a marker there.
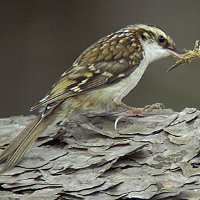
(40, 39)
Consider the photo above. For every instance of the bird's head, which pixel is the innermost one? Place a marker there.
(155, 42)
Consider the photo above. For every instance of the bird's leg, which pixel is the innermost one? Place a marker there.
(134, 112)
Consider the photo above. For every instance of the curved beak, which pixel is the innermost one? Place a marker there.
(175, 52)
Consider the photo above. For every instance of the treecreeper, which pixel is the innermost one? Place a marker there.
(96, 83)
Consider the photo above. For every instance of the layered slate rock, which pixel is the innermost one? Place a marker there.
(152, 157)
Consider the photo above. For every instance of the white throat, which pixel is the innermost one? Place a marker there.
(153, 52)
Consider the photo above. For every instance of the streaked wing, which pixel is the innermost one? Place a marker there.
(106, 62)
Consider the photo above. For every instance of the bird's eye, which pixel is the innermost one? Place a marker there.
(161, 39)
(143, 37)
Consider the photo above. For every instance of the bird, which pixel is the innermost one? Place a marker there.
(96, 82)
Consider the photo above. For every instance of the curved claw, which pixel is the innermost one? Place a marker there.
(116, 121)
(123, 116)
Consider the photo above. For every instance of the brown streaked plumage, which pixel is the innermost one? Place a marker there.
(96, 82)
(121, 49)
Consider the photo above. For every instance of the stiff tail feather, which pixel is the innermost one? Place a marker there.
(19, 146)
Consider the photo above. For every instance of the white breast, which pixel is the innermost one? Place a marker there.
(121, 89)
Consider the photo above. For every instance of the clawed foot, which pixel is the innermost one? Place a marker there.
(133, 112)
